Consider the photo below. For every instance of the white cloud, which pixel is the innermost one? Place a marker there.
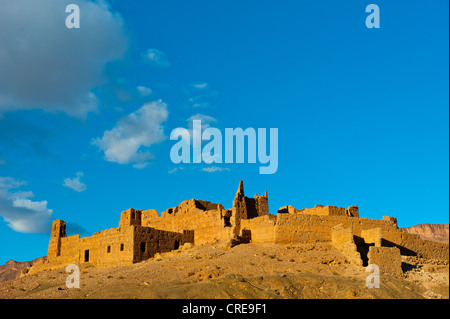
(155, 57)
(144, 91)
(213, 169)
(44, 65)
(206, 120)
(20, 212)
(200, 85)
(9, 182)
(201, 104)
(126, 143)
(75, 183)
(176, 169)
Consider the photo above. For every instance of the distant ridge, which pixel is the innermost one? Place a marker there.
(12, 269)
(433, 232)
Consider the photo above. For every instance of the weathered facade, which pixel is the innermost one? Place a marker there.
(127, 244)
(142, 233)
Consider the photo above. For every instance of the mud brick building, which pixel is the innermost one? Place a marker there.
(143, 233)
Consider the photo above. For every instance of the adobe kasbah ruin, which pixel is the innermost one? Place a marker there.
(143, 233)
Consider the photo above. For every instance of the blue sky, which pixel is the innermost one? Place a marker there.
(362, 114)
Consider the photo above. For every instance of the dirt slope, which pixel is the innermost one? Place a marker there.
(244, 271)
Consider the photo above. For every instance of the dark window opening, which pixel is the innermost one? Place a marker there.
(86, 256)
(246, 236)
(108, 249)
(176, 244)
(226, 220)
(143, 246)
(121, 247)
(251, 207)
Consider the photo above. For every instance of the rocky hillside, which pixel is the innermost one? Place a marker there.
(250, 271)
(12, 269)
(434, 232)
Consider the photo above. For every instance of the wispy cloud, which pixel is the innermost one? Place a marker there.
(213, 169)
(156, 58)
(200, 95)
(129, 140)
(19, 211)
(209, 169)
(75, 183)
(200, 85)
(144, 91)
(176, 169)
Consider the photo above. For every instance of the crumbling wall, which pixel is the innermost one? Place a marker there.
(353, 211)
(413, 245)
(255, 207)
(391, 219)
(148, 215)
(192, 205)
(247, 208)
(292, 228)
(262, 204)
(110, 247)
(207, 225)
(130, 217)
(372, 236)
(342, 239)
(320, 210)
(58, 232)
(67, 252)
(388, 260)
(288, 210)
(210, 221)
(205, 205)
(149, 241)
(258, 230)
